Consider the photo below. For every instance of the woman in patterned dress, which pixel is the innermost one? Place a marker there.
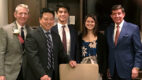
(93, 45)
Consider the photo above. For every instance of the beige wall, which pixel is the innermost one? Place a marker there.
(3, 12)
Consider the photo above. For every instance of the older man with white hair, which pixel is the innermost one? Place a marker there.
(12, 38)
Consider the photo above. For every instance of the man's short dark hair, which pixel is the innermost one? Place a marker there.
(62, 5)
(46, 10)
(116, 7)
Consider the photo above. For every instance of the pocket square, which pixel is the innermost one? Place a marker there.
(125, 35)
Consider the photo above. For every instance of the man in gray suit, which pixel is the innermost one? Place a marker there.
(12, 44)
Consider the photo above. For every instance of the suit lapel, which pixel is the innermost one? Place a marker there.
(42, 36)
(111, 35)
(15, 36)
(71, 35)
(55, 29)
(123, 32)
(27, 28)
(53, 41)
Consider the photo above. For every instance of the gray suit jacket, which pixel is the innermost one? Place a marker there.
(10, 52)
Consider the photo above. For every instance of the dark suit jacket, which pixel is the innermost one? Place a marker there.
(73, 35)
(36, 55)
(128, 51)
(101, 54)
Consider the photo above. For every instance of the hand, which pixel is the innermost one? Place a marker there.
(135, 73)
(72, 63)
(45, 77)
(2, 78)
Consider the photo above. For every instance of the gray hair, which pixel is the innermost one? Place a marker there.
(21, 5)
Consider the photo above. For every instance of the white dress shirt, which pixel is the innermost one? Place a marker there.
(60, 29)
(19, 28)
(115, 29)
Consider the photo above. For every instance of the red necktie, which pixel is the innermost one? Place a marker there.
(20, 39)
(64, 38)
(117, 35)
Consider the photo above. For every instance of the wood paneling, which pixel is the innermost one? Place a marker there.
(81, 14)
(76, 7)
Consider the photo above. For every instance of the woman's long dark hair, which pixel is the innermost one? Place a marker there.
(95, 30)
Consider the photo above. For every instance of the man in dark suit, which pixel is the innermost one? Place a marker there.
(12, 44)
(125, 48)
(69, 39)
(44, 50)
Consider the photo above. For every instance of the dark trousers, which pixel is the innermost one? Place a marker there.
(104, 77)
(53, 76)
(117, 77)
(20, 76)
(51, 73)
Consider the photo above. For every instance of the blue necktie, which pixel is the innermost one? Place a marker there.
(50, 51)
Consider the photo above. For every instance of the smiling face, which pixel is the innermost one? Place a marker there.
(117, 16)
(63, 15)
(21, 15)
(90, 23)
(47, 21)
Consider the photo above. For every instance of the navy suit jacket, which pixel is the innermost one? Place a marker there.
(74, 36)
(128, 51)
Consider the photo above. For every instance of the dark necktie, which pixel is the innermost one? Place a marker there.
(22, 35)
(64, 38)
(22, 32)
(50, 51)
(117, 35)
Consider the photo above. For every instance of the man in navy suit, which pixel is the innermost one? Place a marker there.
(125, 48)
(70, 45)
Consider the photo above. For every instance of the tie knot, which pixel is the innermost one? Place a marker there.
(22, 28)
(48, 33)
(63, 26)
(117, 26)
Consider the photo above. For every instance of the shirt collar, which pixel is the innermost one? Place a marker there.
(49, 31)
(60, 25)
(120, 25)
(19, 26)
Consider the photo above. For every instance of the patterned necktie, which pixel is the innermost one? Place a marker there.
(50, 51)
(64, 38)
(117, 35)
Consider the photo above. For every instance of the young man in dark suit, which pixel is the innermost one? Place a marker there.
(125, 48)
(44, 50)
(68, 33)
